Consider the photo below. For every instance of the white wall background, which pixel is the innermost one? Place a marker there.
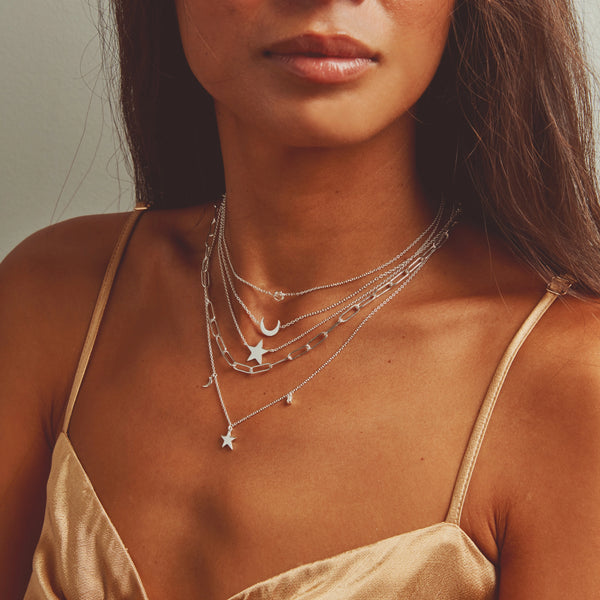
(58, 156)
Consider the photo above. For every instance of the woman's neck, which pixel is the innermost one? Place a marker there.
(299, 217)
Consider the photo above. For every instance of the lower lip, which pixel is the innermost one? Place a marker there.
(324, 69)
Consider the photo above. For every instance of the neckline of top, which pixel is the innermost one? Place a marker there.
(63, 437)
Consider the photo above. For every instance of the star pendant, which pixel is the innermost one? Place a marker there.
(228, 440)
(256, 352)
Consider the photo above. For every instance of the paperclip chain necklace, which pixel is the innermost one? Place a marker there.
(228, 439)
(414, 264)
(344, 314)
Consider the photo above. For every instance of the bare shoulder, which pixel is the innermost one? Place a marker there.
(550, 471)
(64, 249)
(562, 359)
(49, 285)
(47, 289)
(562, 391)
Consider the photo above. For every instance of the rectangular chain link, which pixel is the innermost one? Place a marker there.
(260, 368)
(299, 352)
(349, 313)
(317, 340)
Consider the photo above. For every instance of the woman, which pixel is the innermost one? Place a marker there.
(404, 180)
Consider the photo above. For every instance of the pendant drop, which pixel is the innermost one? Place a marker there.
(289, 398)
(256, 352)
(227, 440)
(269, 332)
(209, 382)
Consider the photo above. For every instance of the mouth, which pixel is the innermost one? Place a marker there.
(323, 59)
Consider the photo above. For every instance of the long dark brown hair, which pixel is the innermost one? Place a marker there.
(506, 127)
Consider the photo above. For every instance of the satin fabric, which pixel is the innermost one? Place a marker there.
(81, 556)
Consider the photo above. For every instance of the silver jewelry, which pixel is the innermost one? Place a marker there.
(269, 332)
(256, 352)
(212, 327)
(228, 439)
(399, 279)
(280, 295)
(227, 278)
(228, 283)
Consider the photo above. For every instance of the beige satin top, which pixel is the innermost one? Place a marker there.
(81, 556)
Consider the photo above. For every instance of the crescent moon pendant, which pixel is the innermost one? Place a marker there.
(269, 332)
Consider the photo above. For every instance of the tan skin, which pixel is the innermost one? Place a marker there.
(371, 447)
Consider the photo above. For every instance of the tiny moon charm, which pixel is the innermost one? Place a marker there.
(269, 332)
(209, 382)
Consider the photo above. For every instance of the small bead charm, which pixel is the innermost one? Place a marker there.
(289, 398)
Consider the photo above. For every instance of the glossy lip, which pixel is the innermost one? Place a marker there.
(323, 58)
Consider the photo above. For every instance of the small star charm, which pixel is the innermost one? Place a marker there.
(256, 352)
(228, 440)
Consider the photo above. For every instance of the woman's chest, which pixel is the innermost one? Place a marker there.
(304, 482)
(367, 450)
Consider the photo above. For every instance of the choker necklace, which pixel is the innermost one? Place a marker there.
(392, 287)
(279, 295)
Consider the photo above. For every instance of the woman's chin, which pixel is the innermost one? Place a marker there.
(324, 137)
(326, 129)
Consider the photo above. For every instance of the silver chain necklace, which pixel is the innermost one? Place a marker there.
(338, 312)
(280, 295)
(212, 328)
(347, 313)
(343, 316)
(227, 271)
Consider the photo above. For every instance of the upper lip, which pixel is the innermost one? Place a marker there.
(330, 46)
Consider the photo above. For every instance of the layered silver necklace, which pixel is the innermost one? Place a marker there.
(228, 273)
(389, 279)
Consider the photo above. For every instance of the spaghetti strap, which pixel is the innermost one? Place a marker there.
(559, 286)
(101, 301)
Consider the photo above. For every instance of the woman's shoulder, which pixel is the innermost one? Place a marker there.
(62, 252)
(48, 288)
(53, 271)
(560, 379)
(67, 259)
(563, 355)
(48, 285)
(546, 449)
